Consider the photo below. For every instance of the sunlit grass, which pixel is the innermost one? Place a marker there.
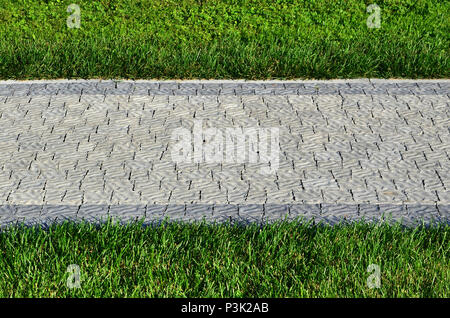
(252, 39)
(285, 259)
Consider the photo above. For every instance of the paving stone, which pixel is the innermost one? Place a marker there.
(444, 211)
(127, 212)
(93, 213)
(154, 213)
(225, 212)
(250, 212)
(199, 212)
(342, 211)
(423, 213)
(7, 215)
(59, 213)
(175, 212)
(275, 212)
(305, 212)
(27, 211)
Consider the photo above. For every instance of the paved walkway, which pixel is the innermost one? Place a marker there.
(221, 150)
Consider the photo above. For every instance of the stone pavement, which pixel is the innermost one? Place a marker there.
(335, 150)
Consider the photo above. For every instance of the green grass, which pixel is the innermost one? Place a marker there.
(252, 39)
(285, 259)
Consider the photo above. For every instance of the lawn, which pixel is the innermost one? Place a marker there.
(285, 259)
(251, 39)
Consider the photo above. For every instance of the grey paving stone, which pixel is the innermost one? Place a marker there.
(6, 218)
(175, 212)
(275, 85)
(154, 212)
(423, 213)
(276, 212)
(444, 211)
(186, 91)
(161, 91)
(59, 212)
(342, 211)
(127, 212)
(199, 212)
(226, 212)
(7, 215)
(251, 212)
(93, 213)
(306, 212)
(201, 209)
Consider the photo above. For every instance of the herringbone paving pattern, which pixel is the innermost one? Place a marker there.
(347, 149)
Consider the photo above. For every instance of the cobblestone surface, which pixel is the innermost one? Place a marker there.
(348, 150)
